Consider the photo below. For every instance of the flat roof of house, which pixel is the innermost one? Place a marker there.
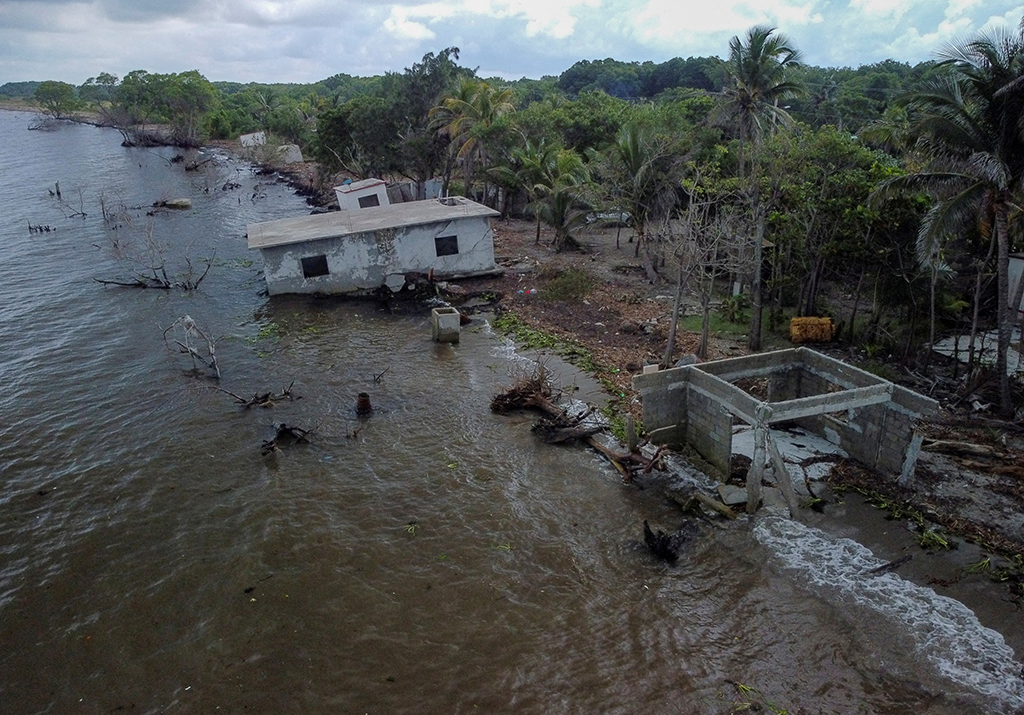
(346, 223)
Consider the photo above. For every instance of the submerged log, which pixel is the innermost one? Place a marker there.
(285, 435)
(553, 431)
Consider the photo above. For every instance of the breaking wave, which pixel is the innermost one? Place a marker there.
(941, 630)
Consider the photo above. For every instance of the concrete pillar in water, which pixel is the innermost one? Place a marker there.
(445, 325)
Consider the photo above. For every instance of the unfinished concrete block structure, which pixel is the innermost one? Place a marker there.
(871, 419)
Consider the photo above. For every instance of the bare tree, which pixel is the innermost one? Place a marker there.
(705, 241)
(146, 257)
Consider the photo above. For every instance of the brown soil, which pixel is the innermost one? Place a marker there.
(623, 321)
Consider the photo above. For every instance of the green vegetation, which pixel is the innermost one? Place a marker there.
(572, 285)
(894, 188)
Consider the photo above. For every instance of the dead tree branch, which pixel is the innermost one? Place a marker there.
(191, 335)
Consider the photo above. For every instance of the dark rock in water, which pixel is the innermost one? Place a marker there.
(667, 546)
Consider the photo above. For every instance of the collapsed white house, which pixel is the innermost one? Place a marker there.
(365, 249)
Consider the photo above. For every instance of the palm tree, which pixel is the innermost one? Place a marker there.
(560, 192)
(529, 168)
(644, 173)
(970, 124)
(466, 115)
(757, 83)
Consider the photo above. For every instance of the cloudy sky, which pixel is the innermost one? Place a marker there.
(308, 40)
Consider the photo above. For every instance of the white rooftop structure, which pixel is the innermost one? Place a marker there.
(368, 193)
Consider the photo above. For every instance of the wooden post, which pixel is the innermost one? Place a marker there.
(630, 434)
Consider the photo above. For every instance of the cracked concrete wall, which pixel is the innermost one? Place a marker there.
(366, 261)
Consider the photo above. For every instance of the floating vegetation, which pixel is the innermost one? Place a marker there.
(934, 541)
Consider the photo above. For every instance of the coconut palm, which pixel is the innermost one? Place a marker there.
(561, 195)
(970, 124)
(529, 168)
(756, 85)
(466, 114)
(644, 173)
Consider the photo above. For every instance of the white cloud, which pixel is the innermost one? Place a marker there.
(956, 8)
(307, 40)
(661, 20)
(554, 18)
(886, 9)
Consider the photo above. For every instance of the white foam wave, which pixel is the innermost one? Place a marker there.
(944, 632)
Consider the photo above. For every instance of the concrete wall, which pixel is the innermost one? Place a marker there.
(709, 429)
(695, 405)
(877, 436)
(366, 261)
(678, 412)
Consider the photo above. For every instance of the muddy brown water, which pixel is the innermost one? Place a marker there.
(431, 558)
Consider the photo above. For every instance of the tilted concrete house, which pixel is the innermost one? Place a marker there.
(362, 250)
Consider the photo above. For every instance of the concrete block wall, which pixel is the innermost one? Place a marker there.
(709, 429)
(664, 395)
(785, 385)
(689, 405)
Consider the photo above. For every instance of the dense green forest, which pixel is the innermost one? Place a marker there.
(895, 187)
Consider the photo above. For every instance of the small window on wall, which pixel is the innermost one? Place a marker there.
(366, 202)
(314, 266)
(446, 245)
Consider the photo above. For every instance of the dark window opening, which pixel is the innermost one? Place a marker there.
(446, 245)
(366, 202)
(314, 266)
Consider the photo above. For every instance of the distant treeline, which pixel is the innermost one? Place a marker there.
(844, 97)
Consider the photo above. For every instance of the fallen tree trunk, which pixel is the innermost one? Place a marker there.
(534, 392)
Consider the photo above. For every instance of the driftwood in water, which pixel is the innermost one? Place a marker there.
(528, 391)
(191, 334)
(667, 546)
(561, 429)
(891, 566)
(535, 392)
(285, 435)
(265, 399)
(689, 500)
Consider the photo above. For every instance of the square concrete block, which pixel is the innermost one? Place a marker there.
(445, 325)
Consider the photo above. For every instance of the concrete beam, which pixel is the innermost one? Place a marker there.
(661, 379)
(837, 371)
(747, 365)
(830, 402)
(733, 399)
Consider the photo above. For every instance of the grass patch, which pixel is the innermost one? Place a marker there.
(718, 326)
(573, 284)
